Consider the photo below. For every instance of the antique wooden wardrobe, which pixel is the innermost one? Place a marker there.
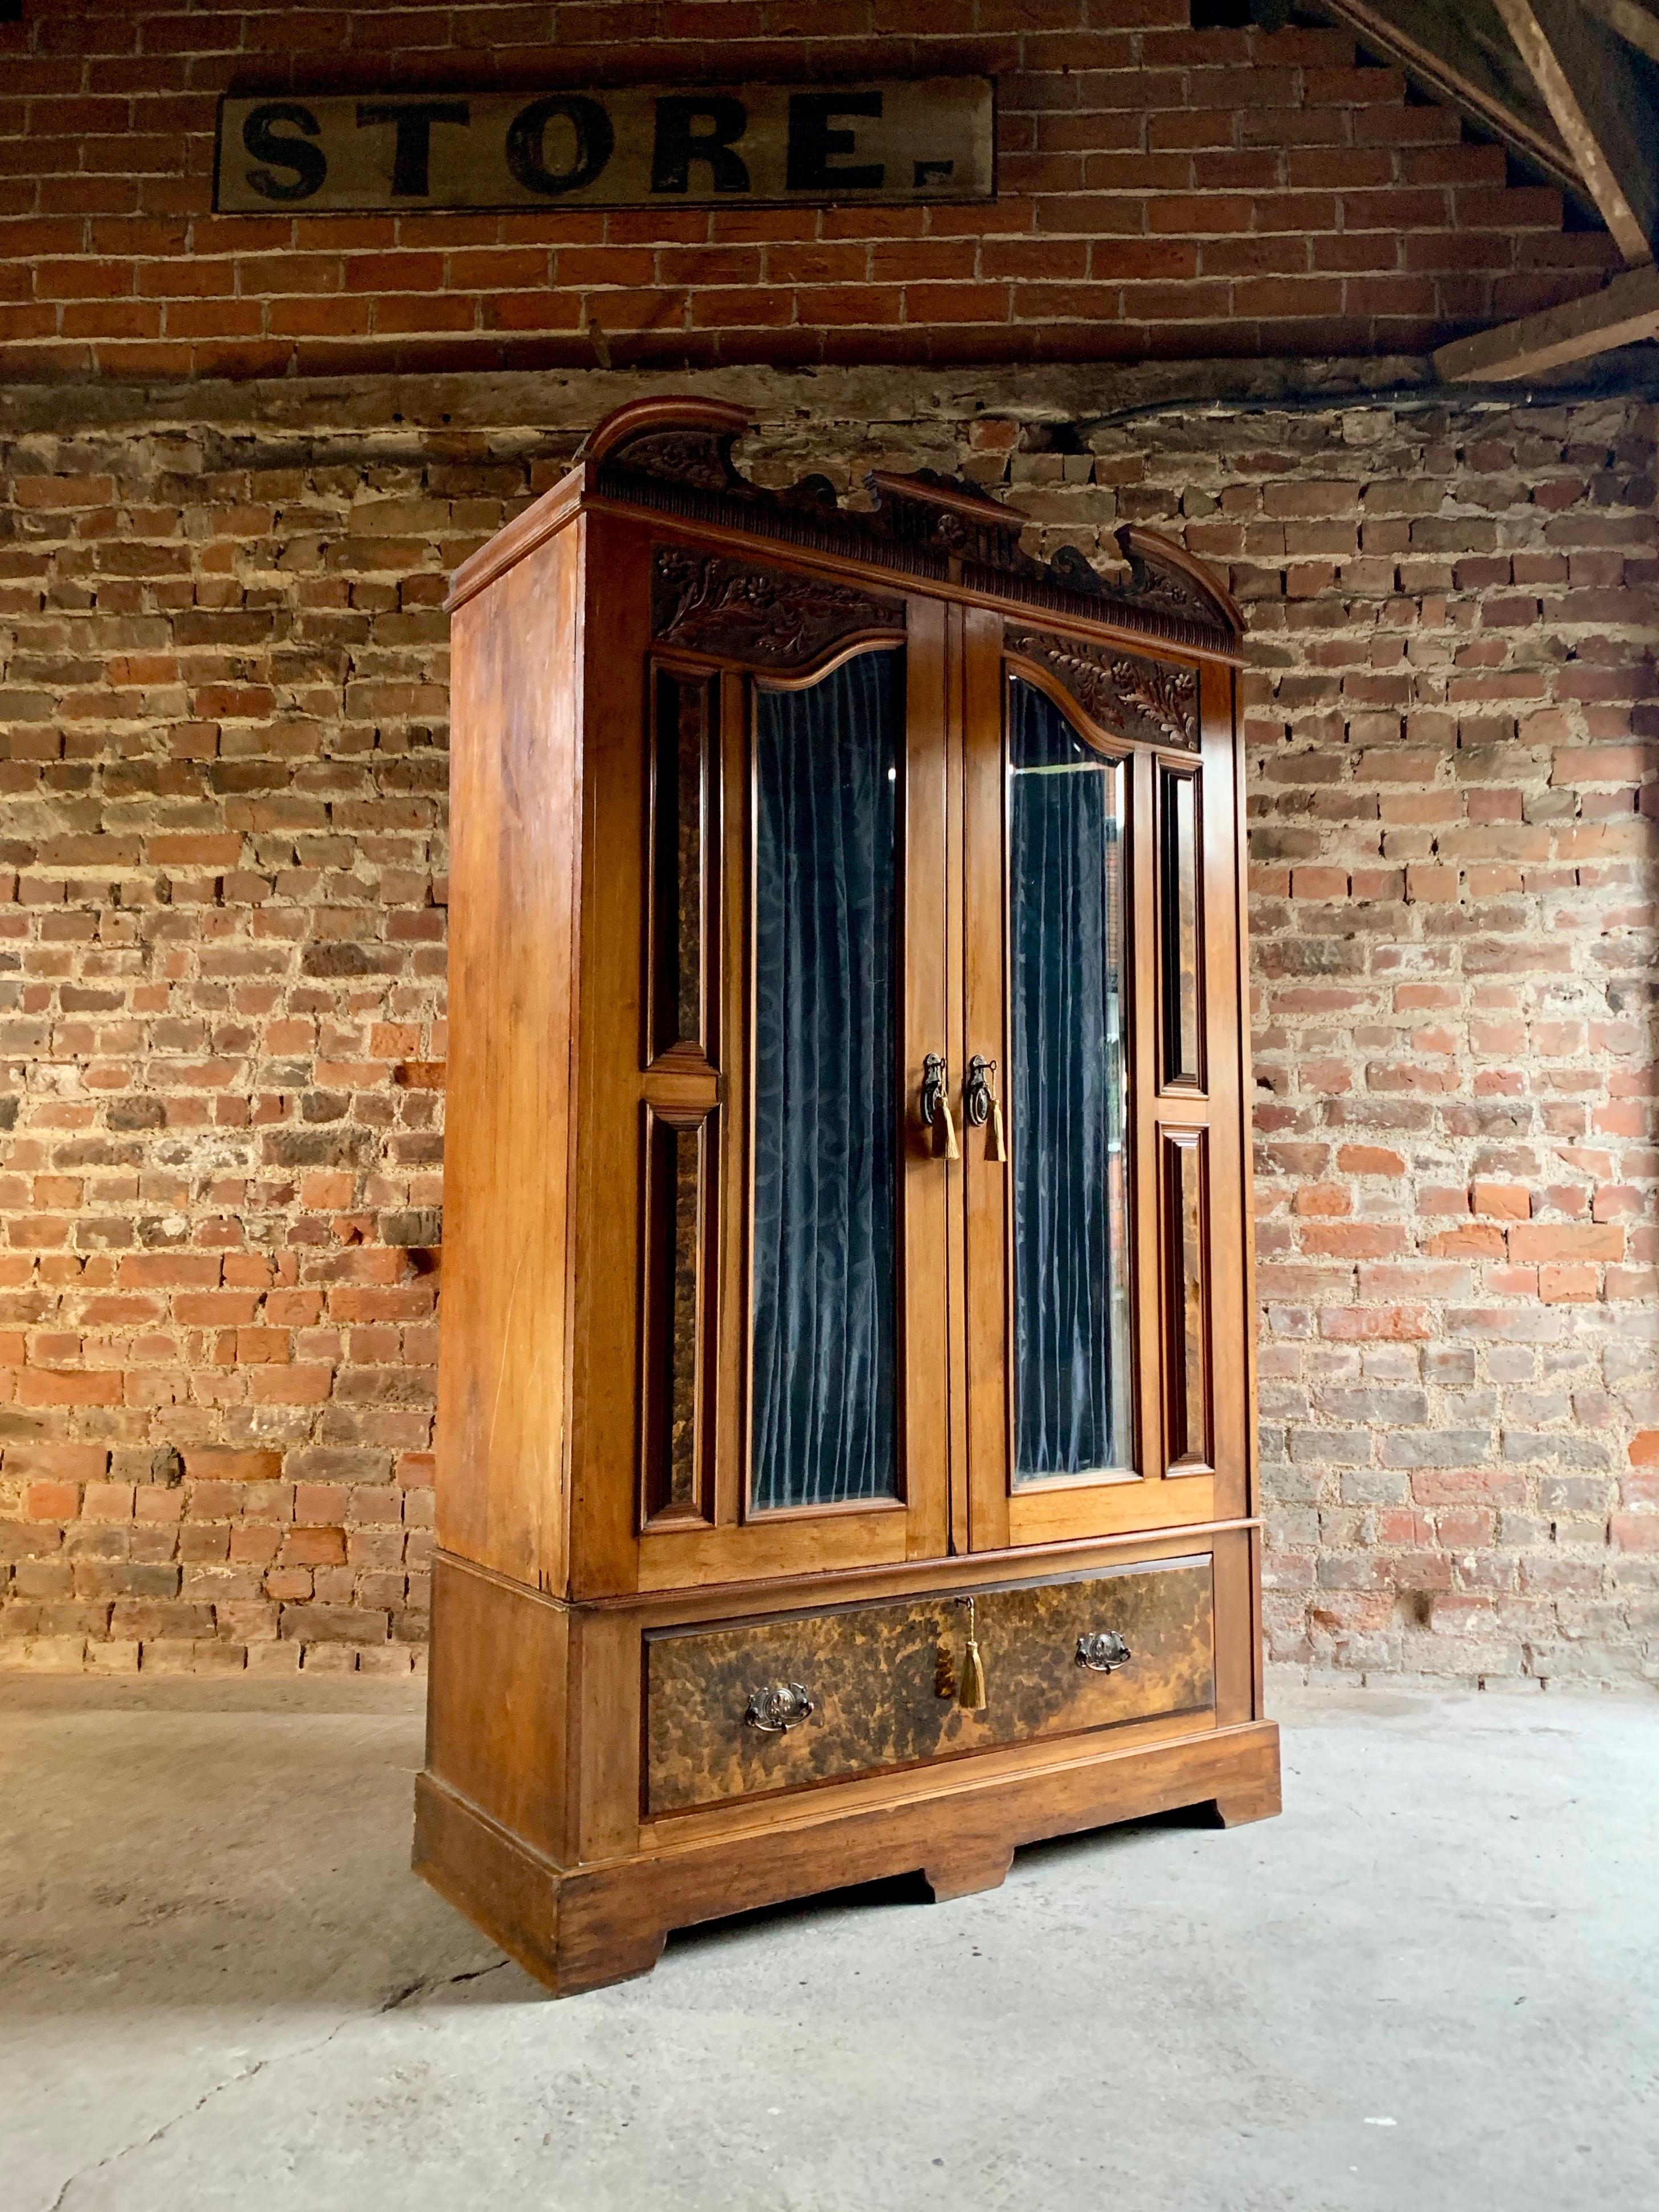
(845, 1431)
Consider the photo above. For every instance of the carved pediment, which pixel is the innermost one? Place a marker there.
(948, 513)
(1168, 577)
(675, 455)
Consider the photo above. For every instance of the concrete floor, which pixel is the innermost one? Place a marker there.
(1433, 1984)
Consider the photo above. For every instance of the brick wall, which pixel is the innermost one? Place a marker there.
(220, 980)
(1163, 192)
(223, 693)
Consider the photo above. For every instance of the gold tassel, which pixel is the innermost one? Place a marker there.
(953, 1151)
(998, 1142)
(971, 1696)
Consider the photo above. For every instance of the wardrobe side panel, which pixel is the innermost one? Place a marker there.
(495, 1726)
(514, 829)
(1232, 1309)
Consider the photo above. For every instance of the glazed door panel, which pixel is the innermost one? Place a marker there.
(825, 909)
(1097, 1216)
(821, 1230)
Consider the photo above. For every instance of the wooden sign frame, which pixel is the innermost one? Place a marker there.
(906, 141)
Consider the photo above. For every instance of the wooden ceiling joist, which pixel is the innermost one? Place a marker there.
(1623, 312)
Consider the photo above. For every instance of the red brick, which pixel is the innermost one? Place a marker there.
(52, 1501)
(1581, 1241)
(1503, 1201)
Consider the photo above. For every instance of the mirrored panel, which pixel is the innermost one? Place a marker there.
(677, 1165)
(681, 812)
(1187, 1359)
(823, 1384)
(1069, 1097)
(1181, 951)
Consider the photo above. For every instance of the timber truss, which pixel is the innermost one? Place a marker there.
(1573, 85)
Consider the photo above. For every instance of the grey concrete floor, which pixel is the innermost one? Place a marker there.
(1434, 1982)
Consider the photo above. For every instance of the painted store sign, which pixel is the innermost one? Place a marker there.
(644, 146)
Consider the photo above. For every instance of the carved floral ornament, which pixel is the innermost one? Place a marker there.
(704, 602)
(1126, 697)
(767, 618)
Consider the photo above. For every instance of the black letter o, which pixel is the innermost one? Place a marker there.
(527, 132)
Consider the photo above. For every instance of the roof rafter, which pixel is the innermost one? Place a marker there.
(1573, 85)
(1464, 54)
(1603, 108)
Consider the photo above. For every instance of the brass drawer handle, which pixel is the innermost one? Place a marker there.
(779, 1707)
(1103, 1650)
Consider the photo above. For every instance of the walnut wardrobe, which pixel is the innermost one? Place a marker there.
(845, 1439)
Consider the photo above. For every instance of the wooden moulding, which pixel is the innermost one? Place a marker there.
(844, 1582)
(1122, 695)
(583, 1928)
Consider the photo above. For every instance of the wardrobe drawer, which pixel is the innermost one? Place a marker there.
(881, 1679)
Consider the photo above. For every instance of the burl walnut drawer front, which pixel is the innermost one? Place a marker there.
(814, 1697)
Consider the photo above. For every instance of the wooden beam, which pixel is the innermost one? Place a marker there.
(1603, 108)
(1632, 20)
(1622, 313)
(1466, 55)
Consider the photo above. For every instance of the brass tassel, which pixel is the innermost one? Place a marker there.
(998, 1142)
(953, 1151)
(971, 1696)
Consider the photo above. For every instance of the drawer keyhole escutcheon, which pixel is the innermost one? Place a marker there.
(1102, 1650)
(777, 1708)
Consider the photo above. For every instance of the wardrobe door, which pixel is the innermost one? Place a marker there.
(1091, 1187)
(798, 1278)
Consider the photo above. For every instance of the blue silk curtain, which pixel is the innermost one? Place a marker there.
(825, 1047)
(1071, 1315)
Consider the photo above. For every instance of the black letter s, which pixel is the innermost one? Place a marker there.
(309, 162)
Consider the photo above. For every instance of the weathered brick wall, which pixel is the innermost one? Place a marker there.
(220, 984)
(1453, 901)
(1163, 191)
(224, 786)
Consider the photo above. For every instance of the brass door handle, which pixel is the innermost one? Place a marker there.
(936, 1101)
(980, 1104)
(1102, 1650)
(777, 1708)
